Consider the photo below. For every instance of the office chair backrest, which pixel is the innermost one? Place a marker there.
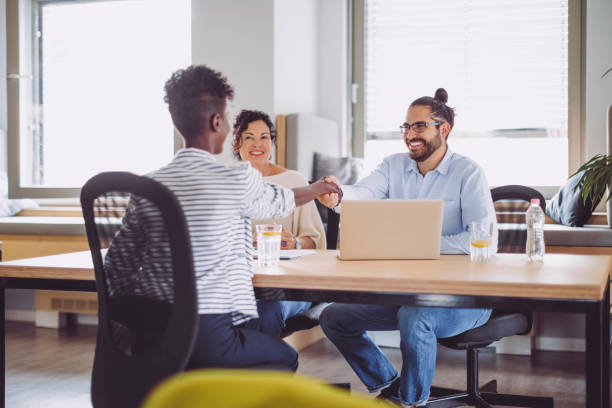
(516, 192)
(332, 229)
(146, 285)
(511, 202)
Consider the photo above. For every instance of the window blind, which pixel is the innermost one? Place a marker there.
(504, 64)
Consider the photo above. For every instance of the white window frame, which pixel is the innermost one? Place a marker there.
(576, 81)
(20, 32)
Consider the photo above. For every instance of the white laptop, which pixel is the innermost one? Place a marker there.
(390, 229)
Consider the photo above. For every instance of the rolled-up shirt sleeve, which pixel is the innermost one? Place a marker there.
(476, 206)
(266, 200)
(373, 187)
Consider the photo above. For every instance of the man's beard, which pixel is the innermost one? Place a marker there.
(428, 148)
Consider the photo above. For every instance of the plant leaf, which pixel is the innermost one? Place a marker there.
(595, 179)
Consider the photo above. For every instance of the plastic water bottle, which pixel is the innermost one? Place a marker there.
(534, 217)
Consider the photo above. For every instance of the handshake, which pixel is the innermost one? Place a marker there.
(332, 198)
(327, 190)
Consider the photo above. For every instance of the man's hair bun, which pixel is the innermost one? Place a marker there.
(441, 95)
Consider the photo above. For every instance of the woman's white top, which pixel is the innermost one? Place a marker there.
(305, 220)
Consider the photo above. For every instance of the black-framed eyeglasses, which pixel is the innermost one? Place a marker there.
(417, 127)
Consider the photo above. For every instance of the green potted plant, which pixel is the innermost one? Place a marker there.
(595, 179)
(597, 176)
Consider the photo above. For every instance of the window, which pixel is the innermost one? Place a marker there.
(95, 99)
(504, 64)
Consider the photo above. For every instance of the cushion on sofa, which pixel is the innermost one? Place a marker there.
(568, 207)
(347, 169)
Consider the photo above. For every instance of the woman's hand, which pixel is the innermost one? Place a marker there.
(288, 240)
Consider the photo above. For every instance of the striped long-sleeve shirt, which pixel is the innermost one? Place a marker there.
(218, 201)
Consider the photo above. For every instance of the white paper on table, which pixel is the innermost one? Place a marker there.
(293, 253)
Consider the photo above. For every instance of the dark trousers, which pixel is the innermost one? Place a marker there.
(220, 344)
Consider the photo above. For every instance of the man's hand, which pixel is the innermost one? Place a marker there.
(318, 189)
(331, 200)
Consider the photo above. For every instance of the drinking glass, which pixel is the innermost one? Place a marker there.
(480, 241)
(268, 244)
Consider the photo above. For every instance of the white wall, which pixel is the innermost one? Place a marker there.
(237, 38)
(332, 67)
(281, 56)
(310, 60)
(295, 56)
(598, 60)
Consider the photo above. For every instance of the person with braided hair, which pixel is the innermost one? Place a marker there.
(429, 170)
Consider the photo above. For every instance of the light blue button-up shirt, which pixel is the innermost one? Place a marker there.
(457, 180)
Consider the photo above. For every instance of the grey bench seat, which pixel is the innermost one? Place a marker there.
(42, 225)
(554, 234)
(560, 235)
(45, 225)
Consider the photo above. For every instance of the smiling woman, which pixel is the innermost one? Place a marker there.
(254, 137)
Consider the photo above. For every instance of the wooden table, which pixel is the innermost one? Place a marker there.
(562, 283)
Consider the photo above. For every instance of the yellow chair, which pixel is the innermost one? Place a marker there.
(251, 389)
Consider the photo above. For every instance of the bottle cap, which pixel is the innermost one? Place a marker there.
(535, 201)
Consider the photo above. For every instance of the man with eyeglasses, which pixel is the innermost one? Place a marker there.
(430, 170)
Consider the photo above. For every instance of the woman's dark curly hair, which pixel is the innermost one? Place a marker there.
(439, 109)
(194, 95)
(242, 123)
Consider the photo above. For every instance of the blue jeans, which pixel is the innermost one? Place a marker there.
(274, 313)
(346, 324)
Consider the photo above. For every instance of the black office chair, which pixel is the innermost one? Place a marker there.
(500, 325)
(148, 311)
(511, 202)
(333, 229)
(146, 329)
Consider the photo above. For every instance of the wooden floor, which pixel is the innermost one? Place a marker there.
(51, 368)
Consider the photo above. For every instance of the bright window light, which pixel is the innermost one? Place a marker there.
(505, 66)
(101, 68)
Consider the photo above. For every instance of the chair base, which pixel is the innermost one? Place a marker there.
(486, 396)
(483, 397)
